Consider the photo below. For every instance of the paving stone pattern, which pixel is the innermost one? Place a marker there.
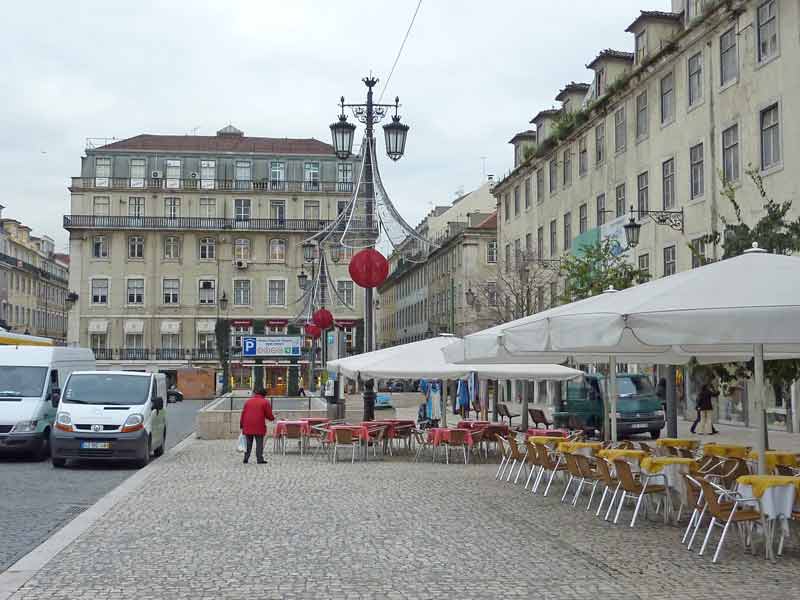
(205, 526)
(36, 499)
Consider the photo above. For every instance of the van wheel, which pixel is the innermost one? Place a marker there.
(160, 450)
(59, 463)
(655, 433)
(44, 448)
(142, 462)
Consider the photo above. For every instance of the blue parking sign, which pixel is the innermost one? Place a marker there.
(249, 346)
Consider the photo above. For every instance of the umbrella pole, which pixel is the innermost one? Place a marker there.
(758, 405)
(612, 394)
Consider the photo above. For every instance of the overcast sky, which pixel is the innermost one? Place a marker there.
(472, 74)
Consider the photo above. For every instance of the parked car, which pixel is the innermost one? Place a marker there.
(396, 386)
(30, 388)
(639, 409)
(111, 415)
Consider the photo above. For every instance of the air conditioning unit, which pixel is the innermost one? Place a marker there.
(155, 175)
(193, 175)
(240, 264)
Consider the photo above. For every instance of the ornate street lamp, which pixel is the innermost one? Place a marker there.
(223, 301)
(395, 134)
(342, 134)
(671, 218)
(632, 231)
(309, 252)
(302, 279)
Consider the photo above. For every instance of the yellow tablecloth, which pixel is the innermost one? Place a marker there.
(726, 450)
(655, 464)
(776, 457)
(613, 453)
(760, 483)
(573, 446)
(677, 443)
(545, 439)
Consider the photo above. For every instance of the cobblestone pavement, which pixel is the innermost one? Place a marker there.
(205, 526)
(36, 500)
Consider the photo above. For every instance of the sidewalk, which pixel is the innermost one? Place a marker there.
(202, 525)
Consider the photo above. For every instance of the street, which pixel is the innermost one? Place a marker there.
(37, 499)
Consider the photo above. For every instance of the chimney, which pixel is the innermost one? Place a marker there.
(490, 180)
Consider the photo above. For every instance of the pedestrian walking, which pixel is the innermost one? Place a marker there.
(253, 423)
(705, 407)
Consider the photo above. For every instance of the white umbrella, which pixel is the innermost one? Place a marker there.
(736, 309)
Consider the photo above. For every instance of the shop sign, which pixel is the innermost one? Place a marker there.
(272, 346)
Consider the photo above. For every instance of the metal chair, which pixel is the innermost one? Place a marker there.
(344, 437)
(292, 431)
(548, 464)
(638, 490)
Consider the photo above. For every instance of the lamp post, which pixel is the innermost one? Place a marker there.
(671, 218)
(395, 134)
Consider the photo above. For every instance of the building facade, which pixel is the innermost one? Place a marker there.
(33, 283)
(429, 295)
(169, 234)
(703, 97)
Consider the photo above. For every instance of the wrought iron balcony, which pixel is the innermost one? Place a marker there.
(198, 223)
(21, 264)
(168, 184)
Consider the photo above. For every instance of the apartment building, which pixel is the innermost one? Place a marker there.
(704, 93)
(428, 295)
(169, 234)
(33, 282)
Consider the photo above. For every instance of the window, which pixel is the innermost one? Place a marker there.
(669, 261)
(491, 252)
(208, 248)
(242, 175)
(695, 78)
(640, 45)
(601, 210)
(644, 266)
(170, 342)
(311, 210)
(311, 176)
(98, 341)
(698, 252)
(540, 186)
(100, 247)
(237, 333)
(696, 171)
(277, 250)
(730, 154)
(641, 115)
(642, 185)
(619, 194)
(172, 208)
(508, 258)
(600, 82)
(668, 184)
(767, 30)
(553, 238)
(207, 341)
(517, 253)
(99, 291)
(770, 137)
(208, 208)
(553, 176)
(100, 206)
(277, 175)
(134, 341)
(567, 167)
(135, 246)
(241, 292)
(207, 292)
(540, 242)
(208, 174)
(171, 291)
(516, 201)
(135, 206)
(668, 98)
(506, 207)
(241, 209)
(277, 210)
(567, 231)
(600, 143)
(491, 293)
(102, 172)
(728, 57)
(276, 292)
(173, 174)
(620, 130)
(241, 249)
(694, 8)
(138, 170)
(135, 291)
(583, 157)
(345, 290)
(172, 247)
(344, 177)
(583, 218)
(528, 193)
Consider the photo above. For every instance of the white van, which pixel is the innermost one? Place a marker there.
(111, 415)
(30, 385)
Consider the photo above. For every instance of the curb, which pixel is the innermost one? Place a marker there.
(29, 565)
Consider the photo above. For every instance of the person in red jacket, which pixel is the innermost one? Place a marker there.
(253, 423)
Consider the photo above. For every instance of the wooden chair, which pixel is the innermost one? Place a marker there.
(377, 439)
(694, 494)
(533, 464)
(609, 482)
(730, 470)
(590, 475)
(539, 418)
(344, 437)
(292, 431)
(516, 456)
(457, 438)
(548, 464)
(504, 412)
(575, 474)
(638, 489)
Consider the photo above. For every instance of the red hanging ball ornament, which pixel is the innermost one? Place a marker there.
(312, 330)
(323, 319)
(369, 268)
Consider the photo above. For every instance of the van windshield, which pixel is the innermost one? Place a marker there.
(107, 389)
(634, 386)
(22, 381)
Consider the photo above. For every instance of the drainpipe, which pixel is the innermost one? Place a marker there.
(712, 130)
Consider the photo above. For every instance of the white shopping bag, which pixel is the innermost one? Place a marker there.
(242, 443)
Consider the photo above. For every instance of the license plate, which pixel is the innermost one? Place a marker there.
(639, 425)
(95, 445)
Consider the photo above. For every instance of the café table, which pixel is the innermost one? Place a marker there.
(683, 443)
(778, 496)
(548, 432)
(441, 435)
(465, 424)
(726, 450)
(775, 458)
(585, 448)
(673, 468)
